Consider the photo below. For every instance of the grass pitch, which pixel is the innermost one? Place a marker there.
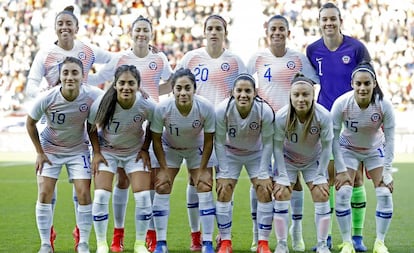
(19, 192)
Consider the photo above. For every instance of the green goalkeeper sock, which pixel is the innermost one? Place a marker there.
(358, 203)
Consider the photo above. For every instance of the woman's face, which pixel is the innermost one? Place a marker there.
(277, 32)
(330, 22)
(363, 84)
(141, 33)
(301, 97)
(126, 87)
(244, 94)
(66, 27)
(215, 32)
(183, 91)
(71, 76)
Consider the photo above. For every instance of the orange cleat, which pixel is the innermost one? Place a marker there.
(225, 247)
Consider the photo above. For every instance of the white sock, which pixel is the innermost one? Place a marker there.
(207, 214)
(281, 219)
(53, 203)
(224, 219)
(84, 222)
(343, 211)
(44, 221)
(264, 219)
(322, 220)
(151, 222)
(161, 211)
(253, 212)
(193, 208)
(143, 214)
(100, 213)
(296, 203)
(119, 206)
(75, 203)
(384, 211)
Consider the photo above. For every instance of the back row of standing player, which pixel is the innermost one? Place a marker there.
(215, 70)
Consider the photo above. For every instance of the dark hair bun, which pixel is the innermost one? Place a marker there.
(69, 8)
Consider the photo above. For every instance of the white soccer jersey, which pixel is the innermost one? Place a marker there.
(152, 68)
(362, 131)
(274, 74)
(47, 62)
(124, 134)
(244, 136)
(65, 128)
(214, 77)
(184, 132)
(298, 150)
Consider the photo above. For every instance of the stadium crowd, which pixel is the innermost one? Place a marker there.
(386, 29)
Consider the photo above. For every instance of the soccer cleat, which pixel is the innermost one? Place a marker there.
(263, 247)
(225, 247)
(207, 247)
(346, 247)
(76, 237)
(139, 247)
(253, 246)
(45, 248)
(358, 242)
(151, 240)
(195, 241)
(379, 247)
(297, 240)
(161, 247)
(52, 237)
(102, 247)
(218, 241)
(328, 243)
(322, 248)
(281, 247)
(117, 244)
(83, 247)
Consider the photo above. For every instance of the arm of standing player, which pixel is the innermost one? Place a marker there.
(97, 156)
(41, 157)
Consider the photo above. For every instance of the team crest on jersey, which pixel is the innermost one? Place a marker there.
(314, 130)
(82, 56)
(225, 66)
(346, 59)
(196, 123)
(375, 117)
(83, 108)
(152, 65)
(137, 118)
(254, 126)
(291, 65)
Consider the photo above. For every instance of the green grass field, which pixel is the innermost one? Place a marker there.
(19, 233)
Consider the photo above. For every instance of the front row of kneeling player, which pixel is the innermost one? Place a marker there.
(241, 131)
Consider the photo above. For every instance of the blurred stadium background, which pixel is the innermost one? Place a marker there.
(385, 26)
